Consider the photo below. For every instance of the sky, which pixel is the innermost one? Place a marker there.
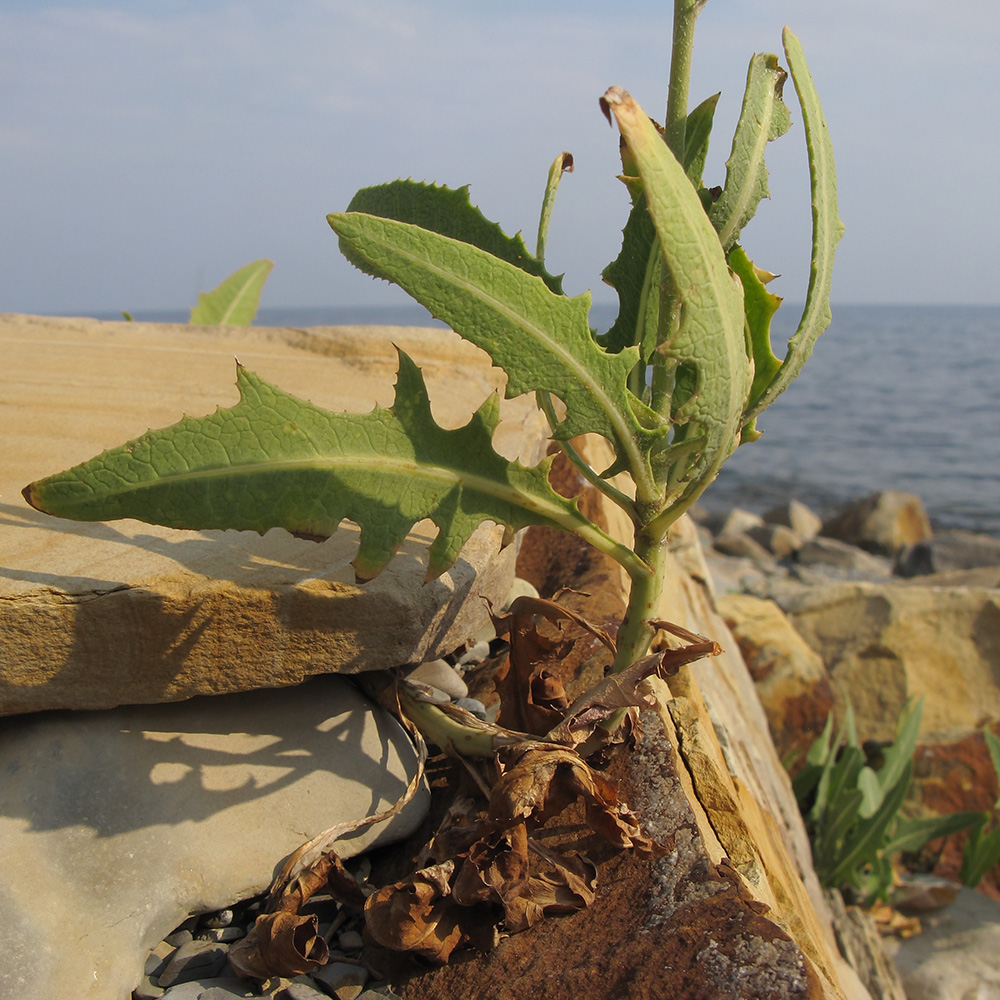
(151, 147)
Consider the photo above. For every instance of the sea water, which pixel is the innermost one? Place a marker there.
(894, 397)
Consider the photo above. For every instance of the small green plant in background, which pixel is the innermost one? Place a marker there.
(234, 302)
(852, 809)
(982, 848)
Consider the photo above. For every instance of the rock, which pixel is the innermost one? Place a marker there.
(860, 942)
(829, 553)
(884, 644)
(195, 960)
(797, 516)
(957, 954)
(882, 523)
(341, 980)
(301, 988)
(441, 675)
(948, 552)
(94, 615)
(472, 705)
(743, 546)
(780, 540)
(350, 941)
(519, 588)
(789, 676)
(220, 988)
(736, 522)
(685, 543)
(121, 823)
(476, 653)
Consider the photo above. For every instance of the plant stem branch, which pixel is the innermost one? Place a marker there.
(685, 14)
(585, 469)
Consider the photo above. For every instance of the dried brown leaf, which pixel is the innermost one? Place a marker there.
(418, 914)
(280, 944)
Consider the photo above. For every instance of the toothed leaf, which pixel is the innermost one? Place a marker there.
(273, 460)
(763, 118)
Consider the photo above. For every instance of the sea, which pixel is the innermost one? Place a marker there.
(894, 398)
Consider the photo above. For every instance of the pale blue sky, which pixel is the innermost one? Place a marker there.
(150, 148)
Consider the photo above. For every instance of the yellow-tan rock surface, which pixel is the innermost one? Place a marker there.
(94, 615)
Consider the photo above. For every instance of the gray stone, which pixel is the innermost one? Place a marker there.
(441, 675)
(473, 706)
(797, 516)
(948, 552)
(830, 553)
(780, 540)
(476, 653)
(743, 546)
(736, 522)
(194, 960)
(94, 615)
(300, 988)
(883, 522)
(343, 980)
(222, 933)
(210, 988)
(350, 941)
(121, 823)
(957, 954)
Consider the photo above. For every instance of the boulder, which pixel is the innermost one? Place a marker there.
(118, 824)
(828, 554)
(883, 522)
(780, 540)
(97, 615)
(741, 545)
(957, 954)
(948, 552)
(789, 676)
(795, 515)
(885, 643)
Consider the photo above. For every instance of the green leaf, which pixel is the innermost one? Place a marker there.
(540, 339)
(912, 834)
(697, 132)
(563, 163)
(759, 306)
(827, 229)
(763, 118)
(273, 460)
(867, 840)
(898, 758)
(710, 335)
(635, 272)
(993, 745)
(234, 302)
(445, 211)
(872, 792)
(982, 852)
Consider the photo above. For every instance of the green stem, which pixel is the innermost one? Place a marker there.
(635, 632)
(585, 469)
(685, 14)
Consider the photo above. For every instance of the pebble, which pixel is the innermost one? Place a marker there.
(476, 653)
(210, 988)
(301, 988)
(194, 960)
(346, 981)
(441, 675)
(221, 933)
(520, 588)
(473, 707)
(350, 941)
(147, 990)
(221, 919)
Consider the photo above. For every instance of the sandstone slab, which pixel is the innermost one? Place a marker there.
(117, 825)
(886, 643)
(96, 615)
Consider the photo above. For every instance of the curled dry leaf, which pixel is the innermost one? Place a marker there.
(620, 690)
(544, 779)
(280, 944)
(419, 914)
(532, 697)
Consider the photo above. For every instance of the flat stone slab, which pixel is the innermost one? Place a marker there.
(117, 825)
(94, 615)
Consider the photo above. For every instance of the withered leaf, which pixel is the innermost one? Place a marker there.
(532, 697)
(280, 944)
(570, 886)
(494, 869)
(418, 914)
